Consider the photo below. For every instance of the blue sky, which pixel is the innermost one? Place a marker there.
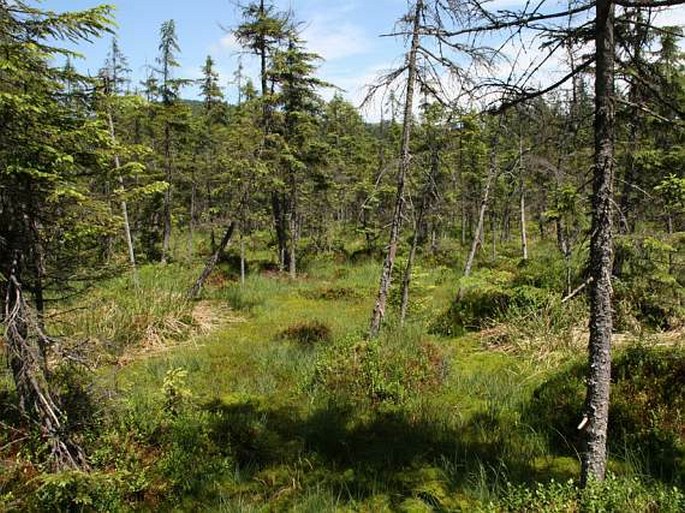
(344, 32)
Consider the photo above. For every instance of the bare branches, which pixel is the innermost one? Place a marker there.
(521, 95)
(649, 4)
(23, 335)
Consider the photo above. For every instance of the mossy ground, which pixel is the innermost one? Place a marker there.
(235, 416)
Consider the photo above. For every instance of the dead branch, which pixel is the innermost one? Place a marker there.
(24, 336)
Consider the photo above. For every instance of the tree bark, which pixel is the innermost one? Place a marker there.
(211, 263)
(405, 161)
(242, 260)
(594, 457)
(522, 194)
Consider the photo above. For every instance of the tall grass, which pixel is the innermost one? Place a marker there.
(146, 310)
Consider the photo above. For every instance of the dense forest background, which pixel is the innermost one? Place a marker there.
(275, 304)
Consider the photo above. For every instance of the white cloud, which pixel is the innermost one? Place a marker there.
(334, 41)
(226, 45)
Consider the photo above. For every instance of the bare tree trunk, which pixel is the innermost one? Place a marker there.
(24, 338)
(405, 158)
(524, 235)
(669, 225)
(464, 221)
(522, 194)
(492, 174)
(124, 206)
(493, 228)
(211, 263)
(292, 228)
(594, 457)
(242, 260)
(167, 194)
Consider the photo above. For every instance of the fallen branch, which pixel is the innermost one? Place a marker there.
(577, 290)
(211, 263)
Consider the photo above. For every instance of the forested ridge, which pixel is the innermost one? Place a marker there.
(472, 303)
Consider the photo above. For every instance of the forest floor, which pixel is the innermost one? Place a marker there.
(314, 419)
(268, 397)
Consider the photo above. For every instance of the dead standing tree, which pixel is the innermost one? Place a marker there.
(405, 160)
(424, 66)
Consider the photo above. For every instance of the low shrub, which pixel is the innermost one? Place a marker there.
(308, 333)
(332, 294)
(379, 372)
(612, 494)
(77, 491)
(487, 298)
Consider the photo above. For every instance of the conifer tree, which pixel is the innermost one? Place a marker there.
(44, 199)
(169, 89)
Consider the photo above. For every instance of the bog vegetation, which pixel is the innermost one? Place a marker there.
(276, 305)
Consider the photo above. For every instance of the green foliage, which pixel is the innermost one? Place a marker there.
(174, 389)
(77, 491)
(191, 457)
(672, 191)
(420, 290)
(646, 291)
(613, 494)
(487, 297)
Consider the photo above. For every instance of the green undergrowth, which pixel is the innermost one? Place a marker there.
(646, 417)
(284, 405)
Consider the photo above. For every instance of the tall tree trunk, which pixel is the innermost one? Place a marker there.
(669, 226)
(124, 206)
(292, 228)
(242, 259)
(167, 194)
(493, 228)
(522, 203)
(405, 158)
(524, 235)
(492, 175)
(594, 457)
(211, 263)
